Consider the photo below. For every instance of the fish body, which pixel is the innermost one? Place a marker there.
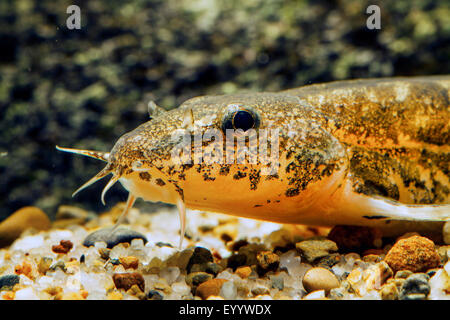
(372, 152)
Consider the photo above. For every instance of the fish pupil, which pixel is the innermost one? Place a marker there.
(243, 120)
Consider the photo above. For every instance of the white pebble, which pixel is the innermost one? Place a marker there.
(28, 243)
(26, 294)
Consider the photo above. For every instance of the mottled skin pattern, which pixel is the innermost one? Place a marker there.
(350, 152)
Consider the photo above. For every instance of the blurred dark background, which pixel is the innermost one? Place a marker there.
(85, 88)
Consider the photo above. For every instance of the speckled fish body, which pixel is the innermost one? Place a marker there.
(358, 152)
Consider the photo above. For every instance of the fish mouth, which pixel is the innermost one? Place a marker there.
(108, 169)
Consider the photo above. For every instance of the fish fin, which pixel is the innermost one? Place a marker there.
(182, 213)
(88, 153)
(154, 110)
(386, 208)
(130, 201)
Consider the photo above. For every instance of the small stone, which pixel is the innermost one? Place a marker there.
(312, 250)
(127, 280)
(267, 261)
(277, 282)
(236, 260)
(213, 268)
(210, 288)
(403, 274)
(26, 218)
(136, 291)
(228, 290)
(243, 272)
(201, 256)
(389, 291)
(129, 262)
(415, 287)
(196, 278)
(63, 247)
(329, 260)
(415, 253)
(235, 246)
(446, 232)
(376, 275)
(119, 235)
(7, 282)
(104, 253)
(372, 258)
(44, 264)
(319, 279)
(250, 251)
(155, 295)
(58, 265)
(355, 238)
(260, 291)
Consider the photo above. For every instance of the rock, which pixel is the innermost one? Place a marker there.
(355, 238)
(250, 251)
(267, 261)
(329, 260)
(403, 274)
(277, 282)
(28, 217)
(376, 275)
(201, 256)
(389, 291)
(210, 288)
(129, 262)
(236, 260)
(415, 253)
(312, 250)
(7, 282)
(319, 279)
(260, 291)
(44, 264)
(196, 278)
(213, 268)
(71, 212)
(446, 232)
(127, 280)
(120, 235)
(63, 247)
(228, 290)
(155, 295)
(243, 271)
(415, 287)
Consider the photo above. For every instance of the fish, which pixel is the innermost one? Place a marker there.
(364, 152)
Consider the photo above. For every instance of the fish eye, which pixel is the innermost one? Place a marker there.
(243, 119)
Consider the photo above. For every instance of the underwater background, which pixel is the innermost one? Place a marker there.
(85, 88)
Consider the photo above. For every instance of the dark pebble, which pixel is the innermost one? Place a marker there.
(8, 281)
(329, 261)
(155, 295)
(415, 287)
(353, 238)
(213, 268)
(111, 239)
(277, 282)
(236, 260)
(196, 278)
(201, 256)
(238, 244)
(163, 244)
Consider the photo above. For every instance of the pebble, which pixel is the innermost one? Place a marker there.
(129, 262)
(228, 290)
(210, 288)
(213, 268)
(267, 261)
(63, 247)
(355, 238)
(389, 291)
(415, 287)
(44, 264)
(200, 257)
(243, 272)
(260, 291)
(194, 279)
(250, 251)
(376, 275)
(25, 218)
(120, 235)
(127, 280)
(7, 282)
(319, 279)
(312, 250)
(403, 274)
(277, 282)
(329, 260)
(236, 260)
(155, 295)
(415, 253)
